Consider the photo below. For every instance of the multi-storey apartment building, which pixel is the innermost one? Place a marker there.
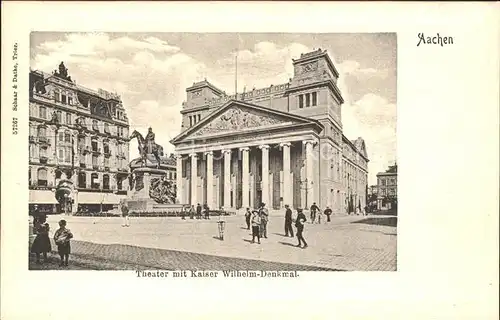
(282, 144)
(78, 145)
(387, 187)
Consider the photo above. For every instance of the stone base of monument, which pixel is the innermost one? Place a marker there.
(139, 201)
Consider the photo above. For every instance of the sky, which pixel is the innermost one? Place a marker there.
(152, 71)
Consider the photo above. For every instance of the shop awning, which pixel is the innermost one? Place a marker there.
(42, 197)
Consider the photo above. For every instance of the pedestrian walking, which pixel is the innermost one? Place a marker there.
(41, 244)
(198, 211)
(255, 226)
(207, 211)
(248, 216)
(62, 239)
(328, 213)
(125, 214)
(288, 221)
(299, 224)
(183, 213)
(264, 219)
(191, 212)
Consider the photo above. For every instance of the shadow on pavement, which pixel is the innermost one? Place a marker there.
(385, 213)
(382, 221)
(287, 244)
(280, 234)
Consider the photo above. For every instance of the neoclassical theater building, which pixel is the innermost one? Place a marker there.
(282, 144)
(78, 145)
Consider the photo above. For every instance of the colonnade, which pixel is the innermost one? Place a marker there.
(226, 188)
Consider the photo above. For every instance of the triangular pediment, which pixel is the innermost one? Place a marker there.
(239, 117)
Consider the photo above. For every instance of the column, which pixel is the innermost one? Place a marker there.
(309, 173)
(227, 179)
(194, 178)
(178, 181)
(210, 179)
(265, 174)
(287, 181)
(245, 179)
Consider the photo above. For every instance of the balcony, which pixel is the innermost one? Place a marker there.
(43, 159)
(96, 151)
(106, 167)
(107, 153)
(83, 165)
(95, 166)
(32, 139)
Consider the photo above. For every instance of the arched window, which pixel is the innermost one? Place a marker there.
(42, 131)
(42, 177)
(105, 182)
(94, 178)
(82, 180)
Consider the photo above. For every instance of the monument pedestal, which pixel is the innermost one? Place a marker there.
(139, 197)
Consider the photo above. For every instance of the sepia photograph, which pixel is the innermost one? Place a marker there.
(224, 151)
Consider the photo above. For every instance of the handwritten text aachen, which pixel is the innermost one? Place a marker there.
(215, 274)
(437, 39)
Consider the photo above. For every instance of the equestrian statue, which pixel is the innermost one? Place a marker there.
(148, 146)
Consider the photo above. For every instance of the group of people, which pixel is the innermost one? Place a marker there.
(41, 244)
(199, 211)
(258, 219)
(317, 213)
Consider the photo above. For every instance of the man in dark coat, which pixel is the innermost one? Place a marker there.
(299, 223)
(198, 211)
(207, 211)
(288, 221)
(328, 213)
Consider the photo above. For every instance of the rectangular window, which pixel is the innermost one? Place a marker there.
(61, 136)
(199, 117)
(190, 121)
(43, 152)
(70, 100)
(43, 113)
(106, 162)
(59, 116)
(94, 160)
(67, 157)
(308, 99)
(68, 118)
(314, 99)
(63, 99)
(57, 96)
(61, 154)
(301, 101)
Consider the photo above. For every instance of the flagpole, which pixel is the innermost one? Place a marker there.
(236, 76)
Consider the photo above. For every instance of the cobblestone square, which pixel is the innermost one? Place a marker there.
(349, 243)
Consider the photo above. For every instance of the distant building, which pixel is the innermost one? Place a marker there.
(78, 145)
(387, 186)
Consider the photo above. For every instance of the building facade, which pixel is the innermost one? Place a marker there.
(387, 187)
(78, 145)
(282, 144)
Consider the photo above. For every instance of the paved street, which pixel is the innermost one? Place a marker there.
(347, 243)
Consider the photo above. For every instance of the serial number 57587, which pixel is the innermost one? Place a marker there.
(14, 126)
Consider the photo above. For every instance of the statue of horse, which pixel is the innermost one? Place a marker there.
(156, 150)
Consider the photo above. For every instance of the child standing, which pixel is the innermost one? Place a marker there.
(41, 244)
(62, 238)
